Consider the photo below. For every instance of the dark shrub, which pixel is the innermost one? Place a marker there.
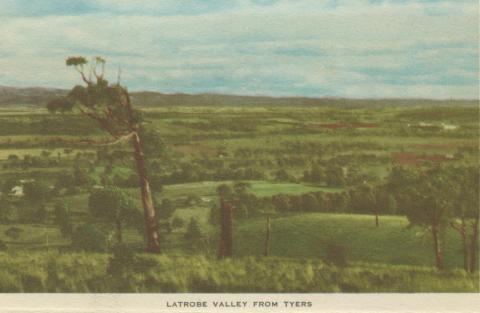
(336, 254)
(39, 215)
(121, 259)
(165, 227)
(177, 222)
(120, 268)
(61, 213)
(66, 229)
(14, 232)
(32, 282)
(193, 230)
(87, 237)
(62, 219)
(8, 212)
(37, 192)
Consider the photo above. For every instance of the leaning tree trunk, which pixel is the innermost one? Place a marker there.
(437, 247)
(153, 243)
(226, 230)
(474, 246)
(151, 231)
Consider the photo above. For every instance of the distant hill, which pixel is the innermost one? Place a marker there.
(37, 96)
(28, 96)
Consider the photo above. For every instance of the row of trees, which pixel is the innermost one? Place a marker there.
(438, 198)
(362, 199)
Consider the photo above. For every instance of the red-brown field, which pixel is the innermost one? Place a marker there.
(411, 158)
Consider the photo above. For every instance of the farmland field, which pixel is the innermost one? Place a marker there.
(308, 168)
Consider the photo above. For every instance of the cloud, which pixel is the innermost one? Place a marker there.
(305, 47)
(197, 7)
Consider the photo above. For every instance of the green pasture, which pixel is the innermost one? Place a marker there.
(307, 235)
(299, 236)
(259, 188)
(266, 189)
(21, 153)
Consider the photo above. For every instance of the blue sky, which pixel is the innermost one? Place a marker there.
(314, 48)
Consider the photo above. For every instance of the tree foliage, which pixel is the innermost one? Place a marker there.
(113, 205)
(193, 232)
(87, 237)
(110, 202)
(37, 192)
(109, 105)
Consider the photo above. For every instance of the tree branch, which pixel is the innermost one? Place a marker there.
(97, 76)
(120, 120)
(103, 122)
(82, 74)
(128, 106)
(119, 75)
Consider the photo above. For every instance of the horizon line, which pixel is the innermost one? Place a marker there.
(213, 93)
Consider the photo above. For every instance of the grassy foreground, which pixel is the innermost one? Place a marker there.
(47, 272)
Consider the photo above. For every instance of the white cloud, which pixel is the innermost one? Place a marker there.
(310, 49)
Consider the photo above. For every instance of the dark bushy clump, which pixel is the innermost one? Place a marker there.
(87, 237)
(121, 259)
(336, 254)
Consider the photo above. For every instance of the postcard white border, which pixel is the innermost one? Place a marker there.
(152, 303)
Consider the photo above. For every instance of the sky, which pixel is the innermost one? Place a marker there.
(312, 48)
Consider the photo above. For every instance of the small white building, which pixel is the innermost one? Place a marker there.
(17, 191)
(449, 126)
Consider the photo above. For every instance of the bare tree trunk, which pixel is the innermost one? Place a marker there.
(463, 234)
(436, 246)
(266, 247)
(153, 243)
(474, 246)
(376, 204)
(226, 230)
(462, 231)
(221, 248)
